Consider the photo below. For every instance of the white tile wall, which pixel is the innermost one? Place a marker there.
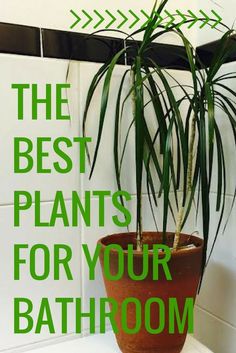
(223, 256)
(215, 314)
(27, 287)
(224, 9)
(211, 317)
(216, 334)
(228, 138)
(216, 302)
(19, 69)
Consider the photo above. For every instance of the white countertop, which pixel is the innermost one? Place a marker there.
(107, 344)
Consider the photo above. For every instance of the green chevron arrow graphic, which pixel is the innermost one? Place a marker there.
(184, 19)
(160, 19)
(89, 19)
(219, 19)
(148, 18)
(206, 17)
(100, 17)
(125, 19)
(171, 19)
(137, 19)
(113, 19)
(196, 19)
(134, 19)
(78, 19)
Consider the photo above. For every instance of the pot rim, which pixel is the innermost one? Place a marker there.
(181, 252)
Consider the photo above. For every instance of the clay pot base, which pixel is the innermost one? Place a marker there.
(176, 349)
(158, 350)
(185, 268)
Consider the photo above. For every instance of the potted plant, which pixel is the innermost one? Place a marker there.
(179, 151)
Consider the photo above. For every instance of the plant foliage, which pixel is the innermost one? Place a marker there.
(187, 131)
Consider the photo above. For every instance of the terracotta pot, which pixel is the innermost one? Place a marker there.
(185, 269)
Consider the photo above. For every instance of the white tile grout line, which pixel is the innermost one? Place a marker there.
(80, 190)
(41, 42)
(7, 204)
(216, 317)
(33, 203)
(125, 47)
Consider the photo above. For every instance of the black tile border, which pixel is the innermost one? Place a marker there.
(18, 39)
(26, 40)
(77, 46)
(165, 55)
(206, 52)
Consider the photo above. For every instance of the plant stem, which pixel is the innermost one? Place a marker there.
(189, 184)
(190, 155)
(178, 228)
(139, 227)
(140, 233)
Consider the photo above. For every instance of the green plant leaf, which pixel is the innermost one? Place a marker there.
(104, 102)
